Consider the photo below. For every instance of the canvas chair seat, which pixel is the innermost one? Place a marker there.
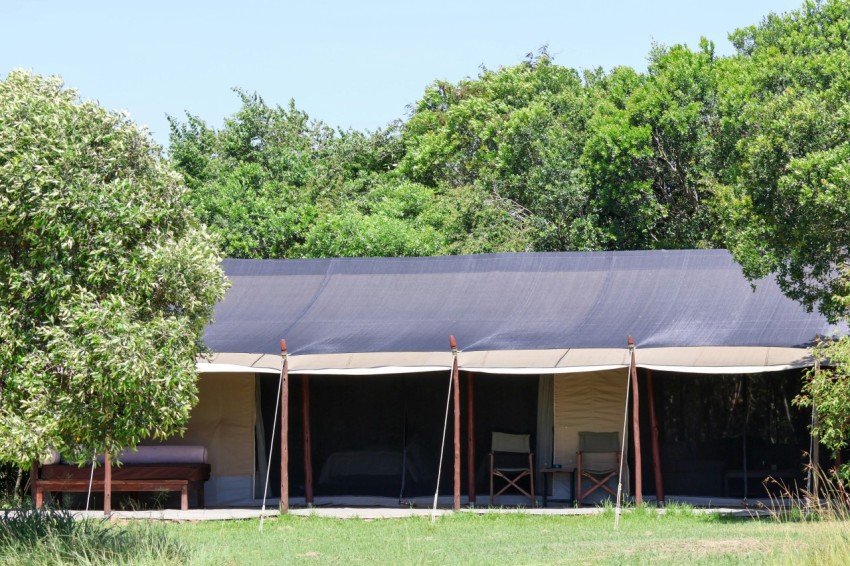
(593, 445)
(511, 460)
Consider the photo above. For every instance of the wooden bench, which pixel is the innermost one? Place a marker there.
(127, 478)
(82, 486)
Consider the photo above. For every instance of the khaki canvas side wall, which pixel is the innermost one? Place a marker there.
(587, 402)
(223, 422)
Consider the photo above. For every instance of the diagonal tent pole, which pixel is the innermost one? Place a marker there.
(445, 428)
(618, 503)
(631, 387)
(274, 425)
(284, 429)
(456, 390)
(636, 424)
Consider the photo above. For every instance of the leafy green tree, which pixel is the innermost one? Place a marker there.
(273, 184)
(386, 221)
(106, 278)
(516, 135)
(790, 207)
(786, 92)
(827, 389)
(249, 181)
(654, 152)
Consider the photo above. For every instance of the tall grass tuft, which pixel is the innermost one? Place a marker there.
(826, 507)
(30, 536)
(829, 499)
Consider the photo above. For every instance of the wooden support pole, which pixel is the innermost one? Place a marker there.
(814, 457)
(456, 391)
(470, 435)
(107, 484)
(636, 425)
(308, 450)
(284, 430)
(656, 447)
(33, 477)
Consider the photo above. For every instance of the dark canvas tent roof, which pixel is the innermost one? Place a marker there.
(561, 309)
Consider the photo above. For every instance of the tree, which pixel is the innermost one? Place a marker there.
(828, 390)
(787, 90)
(274, 184)
(654, 152)
(107, 280)
(514, 135)
(249, 181)
(791, 198)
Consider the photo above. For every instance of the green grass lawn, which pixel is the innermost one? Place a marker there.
(644, 537)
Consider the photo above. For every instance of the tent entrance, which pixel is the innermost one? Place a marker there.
(721, 435)
(370, 435)
(381, 435)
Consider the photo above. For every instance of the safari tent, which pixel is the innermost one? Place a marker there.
(542, 348)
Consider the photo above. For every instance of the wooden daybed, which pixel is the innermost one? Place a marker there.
(138, 473)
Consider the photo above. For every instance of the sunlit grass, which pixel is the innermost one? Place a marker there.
(645, 535)
(678, 534)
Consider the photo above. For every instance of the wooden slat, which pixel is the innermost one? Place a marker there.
(82, 486)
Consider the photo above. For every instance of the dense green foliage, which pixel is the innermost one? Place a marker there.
(747, 151)
(108, 280)
(827, 389)
(792, 95)
(273, 184)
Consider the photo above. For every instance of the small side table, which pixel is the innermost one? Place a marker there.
(549, 479)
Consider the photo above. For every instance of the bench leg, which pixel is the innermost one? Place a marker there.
(39, 497)
(184, 497)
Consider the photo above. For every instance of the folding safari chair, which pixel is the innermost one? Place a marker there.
(598, 476)
(511, 459)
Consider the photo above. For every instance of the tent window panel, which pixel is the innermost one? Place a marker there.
(369, 430)
(366, 430)
(266, 411)
(713, 426)
(503, 403)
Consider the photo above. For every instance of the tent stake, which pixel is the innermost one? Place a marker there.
(636, 425)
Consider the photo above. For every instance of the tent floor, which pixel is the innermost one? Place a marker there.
(387, 508)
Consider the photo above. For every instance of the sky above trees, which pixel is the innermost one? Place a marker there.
(347, 64)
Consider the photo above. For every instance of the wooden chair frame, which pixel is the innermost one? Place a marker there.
(597, 478)
(512, 475)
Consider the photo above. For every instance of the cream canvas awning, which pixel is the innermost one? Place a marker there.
(704, 360)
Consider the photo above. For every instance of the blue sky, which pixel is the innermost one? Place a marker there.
(348, 64)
